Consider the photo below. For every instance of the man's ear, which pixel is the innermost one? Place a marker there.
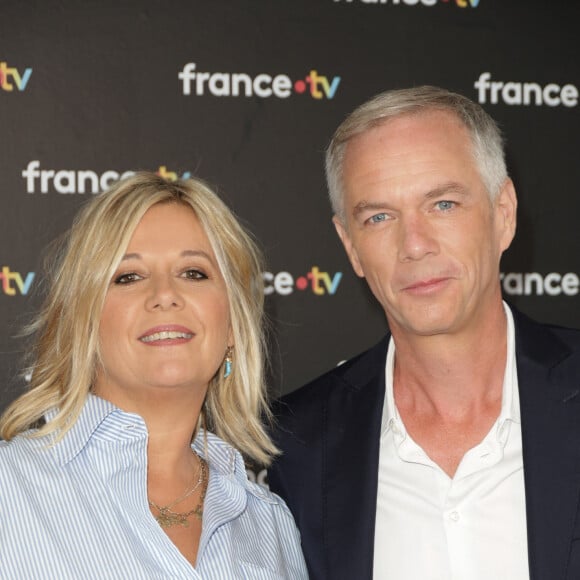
(506, 206)
(348, 246)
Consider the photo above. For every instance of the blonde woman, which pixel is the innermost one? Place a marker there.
(124, 459)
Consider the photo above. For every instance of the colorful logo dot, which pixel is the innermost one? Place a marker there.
(299, 86)
(301, 283)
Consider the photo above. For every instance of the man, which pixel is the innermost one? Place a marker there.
(450, 450)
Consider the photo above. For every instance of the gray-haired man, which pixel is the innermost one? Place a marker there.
(451, 450)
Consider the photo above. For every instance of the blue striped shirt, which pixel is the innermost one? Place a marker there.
(78, 509)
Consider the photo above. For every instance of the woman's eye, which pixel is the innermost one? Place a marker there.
(193, 274)
(127, 278)
(377, 218)
(445, 205)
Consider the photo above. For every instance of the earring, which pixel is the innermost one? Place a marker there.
(228, 362)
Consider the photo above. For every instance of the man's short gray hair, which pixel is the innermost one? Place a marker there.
(488, 150)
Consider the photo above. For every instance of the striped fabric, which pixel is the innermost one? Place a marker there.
(78, 509)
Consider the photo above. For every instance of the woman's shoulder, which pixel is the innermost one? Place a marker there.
(263, 494)
(227, 462)
(276, 521)
(22, 443)
(23, 453)
(270, 507)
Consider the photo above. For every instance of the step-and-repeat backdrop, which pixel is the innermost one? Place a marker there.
(246, 96)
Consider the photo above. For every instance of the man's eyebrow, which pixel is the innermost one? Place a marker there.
(368, 206)
(438, 191)
(449, 187)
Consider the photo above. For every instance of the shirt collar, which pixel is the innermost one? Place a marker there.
(510, 408)
(390, 413)
(102, 419)
(94, 412)
(219, 454)
(510, 401)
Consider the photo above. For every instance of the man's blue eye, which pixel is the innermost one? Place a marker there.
(379, 217)
(445, 205)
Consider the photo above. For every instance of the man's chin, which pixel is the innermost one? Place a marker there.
(424, 324)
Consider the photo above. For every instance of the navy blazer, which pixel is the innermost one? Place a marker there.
(329, 433)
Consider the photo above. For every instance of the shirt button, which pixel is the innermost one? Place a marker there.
(454, 516)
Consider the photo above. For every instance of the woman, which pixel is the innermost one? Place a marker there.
(147, 369)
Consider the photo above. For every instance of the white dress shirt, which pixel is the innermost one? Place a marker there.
(469, 527)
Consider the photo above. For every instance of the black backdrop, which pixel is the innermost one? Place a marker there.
(93, 86)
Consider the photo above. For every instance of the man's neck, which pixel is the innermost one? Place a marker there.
(448, 388)
(452, 374)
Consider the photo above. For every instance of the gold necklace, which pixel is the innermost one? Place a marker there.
(166, 517)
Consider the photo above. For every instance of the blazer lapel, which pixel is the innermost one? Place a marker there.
(352, 438)
(550, 412)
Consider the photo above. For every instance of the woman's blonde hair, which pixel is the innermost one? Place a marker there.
(66, 331)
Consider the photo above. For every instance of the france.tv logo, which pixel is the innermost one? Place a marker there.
(459, 3)
(70, 181)
(11, 77)
(263, 85)
(14, 283)
(315, 280)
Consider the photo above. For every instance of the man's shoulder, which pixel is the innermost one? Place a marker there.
(539, 339)
(354, 373)
(568, 334)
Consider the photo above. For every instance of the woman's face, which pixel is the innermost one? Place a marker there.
(165, 324)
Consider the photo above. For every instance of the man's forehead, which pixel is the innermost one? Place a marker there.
(415, 154)
(410, 121)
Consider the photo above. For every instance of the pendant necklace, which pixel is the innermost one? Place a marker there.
(166, 517)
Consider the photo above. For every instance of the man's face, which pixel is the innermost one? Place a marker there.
(419, 224)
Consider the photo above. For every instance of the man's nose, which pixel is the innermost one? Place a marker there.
(416, 239)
